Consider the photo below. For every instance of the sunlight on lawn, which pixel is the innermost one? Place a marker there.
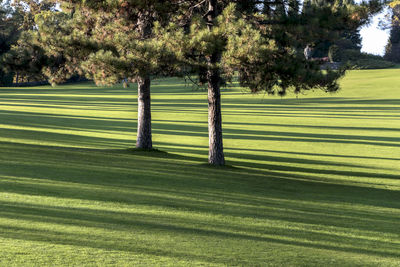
(310, 181)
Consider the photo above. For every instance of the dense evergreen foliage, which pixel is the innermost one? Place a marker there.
(393, 46)
(347, 38)
(263, 42)
(26, 58)
(10, 22)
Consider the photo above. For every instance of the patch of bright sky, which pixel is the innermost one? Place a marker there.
(374, 39)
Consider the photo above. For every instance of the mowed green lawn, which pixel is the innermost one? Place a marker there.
(310, 181)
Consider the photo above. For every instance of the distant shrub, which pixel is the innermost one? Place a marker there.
(371, 63)
(351, 55)
(334, 53)
(6, 79)
(357, 60)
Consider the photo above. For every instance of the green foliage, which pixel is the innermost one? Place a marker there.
(28, 9)
(371, 63)
(26, 57)
(173, 38)
(347, 37)
(334, 53)
(352, 55)
(357, 60)
(106, 68)
(107, 42)
(58, 35)
(265, 54)
(6, 78)
(392, 50)
(10, 22)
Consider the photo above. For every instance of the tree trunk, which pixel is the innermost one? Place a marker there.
(216, 150)
(144, 139)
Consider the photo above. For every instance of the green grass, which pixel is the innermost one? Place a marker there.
(310, 181)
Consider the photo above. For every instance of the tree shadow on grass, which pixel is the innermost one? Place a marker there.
(264, 190)
(127, 169)
(274, 163)
(184, 227)
(269, 125)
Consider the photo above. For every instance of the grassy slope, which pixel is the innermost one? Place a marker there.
(312, 181)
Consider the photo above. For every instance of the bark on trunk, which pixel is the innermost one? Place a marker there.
(144, 139)
(216, 150)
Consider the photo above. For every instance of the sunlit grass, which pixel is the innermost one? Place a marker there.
(310, 181)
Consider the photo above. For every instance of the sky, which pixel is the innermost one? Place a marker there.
(374, 39)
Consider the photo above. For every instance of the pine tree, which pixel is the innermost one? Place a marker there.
(64, 38)
(261, 41)
(263, 44)
(26, 58)
(110, 42)
(392, 50)
(10, 23)
(348, 38)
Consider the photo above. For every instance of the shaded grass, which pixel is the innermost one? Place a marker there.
(310, 181)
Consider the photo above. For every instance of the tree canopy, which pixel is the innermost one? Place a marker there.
(392, 50)
(263, 43)
(10, 22)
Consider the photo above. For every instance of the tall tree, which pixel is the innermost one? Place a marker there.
(26, 58)
(263, 42)
(392, 50)
(215, 155)
(10, 23)
(348, 38)
(112, 41)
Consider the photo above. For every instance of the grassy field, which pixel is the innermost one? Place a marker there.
(311, 181)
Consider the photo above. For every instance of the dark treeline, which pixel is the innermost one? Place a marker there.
(392, 52)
